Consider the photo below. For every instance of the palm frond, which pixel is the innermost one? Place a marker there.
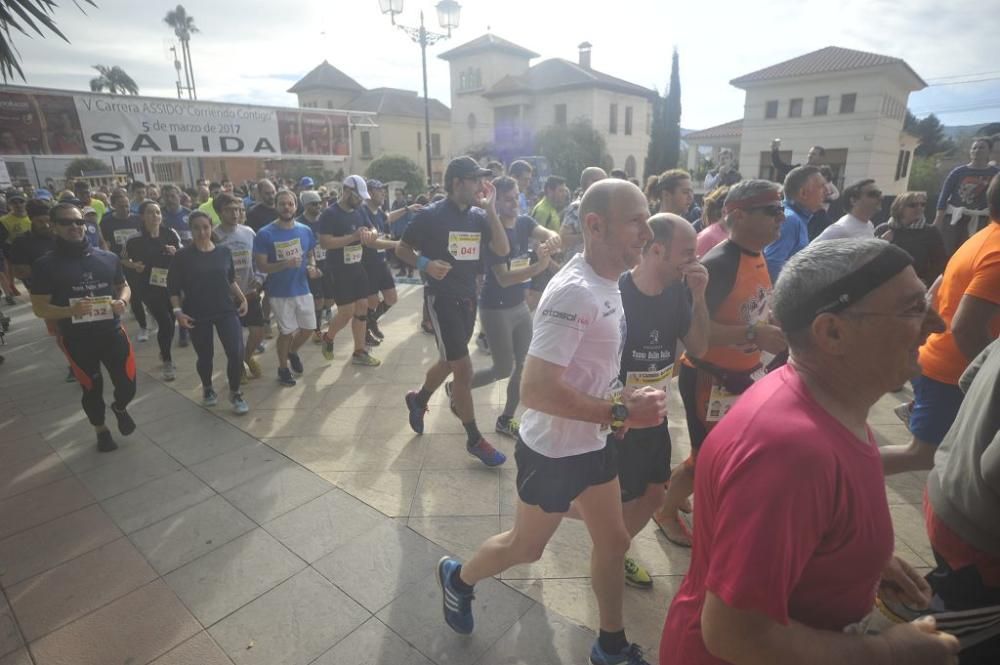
(25, 16)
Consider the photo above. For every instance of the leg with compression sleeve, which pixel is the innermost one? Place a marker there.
(231, 335)
(204, 348)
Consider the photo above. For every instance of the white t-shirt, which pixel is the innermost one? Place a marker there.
(847, 226)
(240, 244)
(579, 325)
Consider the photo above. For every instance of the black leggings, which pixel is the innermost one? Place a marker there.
(231, 335)
(158, 302)
(86, 353)
(135, 284)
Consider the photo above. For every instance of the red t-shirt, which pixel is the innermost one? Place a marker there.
(792, 519)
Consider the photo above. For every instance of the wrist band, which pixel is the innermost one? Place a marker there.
(422, 263)
(178, 310)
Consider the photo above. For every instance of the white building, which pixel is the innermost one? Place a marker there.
(500, 100)
(850, 102)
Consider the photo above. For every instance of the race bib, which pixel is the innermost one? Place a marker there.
(185, 235)
(720, 401)
(241, 259)
(657, 379)
(352, 254)
(158, 277)
(122, 236)
(464, 246)
(286, 250)
(319, 253)
(519, 264)
(100, 309)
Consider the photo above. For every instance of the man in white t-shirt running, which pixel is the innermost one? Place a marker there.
(863, 200)
(573, 397)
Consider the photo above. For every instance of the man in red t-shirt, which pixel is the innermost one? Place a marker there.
(792, 535)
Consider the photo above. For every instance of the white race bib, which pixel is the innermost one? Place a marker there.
(100, 309)
(286, 250)
(352, 254)
(657, 379)
(464, 246)
(319, 253)
(122, 236)
(519, 264)
(241, 259)
(720, 401)
(158, 277)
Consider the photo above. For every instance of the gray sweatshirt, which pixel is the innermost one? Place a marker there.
(964, 485)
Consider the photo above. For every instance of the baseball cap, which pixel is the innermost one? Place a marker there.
(465, 167)
(306, 181)
(374, 183)
(89, 211)
(15, 195)
(357, 183)
(43, 195)
(310, 197)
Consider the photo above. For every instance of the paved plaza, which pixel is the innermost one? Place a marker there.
(303, 533)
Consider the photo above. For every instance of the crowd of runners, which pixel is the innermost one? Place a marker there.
(779, 326)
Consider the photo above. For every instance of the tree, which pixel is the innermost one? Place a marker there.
(86, 166)
(114, 80)
(665, 137)
(388, 168)
(930, 131)
(571, 148)
(184, 27)
(25, 15)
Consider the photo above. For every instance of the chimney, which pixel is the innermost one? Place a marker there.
(585, 54)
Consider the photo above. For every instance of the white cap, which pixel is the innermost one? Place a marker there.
(357, 183)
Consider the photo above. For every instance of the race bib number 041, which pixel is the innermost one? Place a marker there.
(464, 246)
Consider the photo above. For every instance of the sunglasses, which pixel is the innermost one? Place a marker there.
(874, 194)
(71, 222)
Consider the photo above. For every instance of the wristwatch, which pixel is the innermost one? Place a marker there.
(619, 414)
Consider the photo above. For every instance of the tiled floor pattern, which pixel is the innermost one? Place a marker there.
(303, 533)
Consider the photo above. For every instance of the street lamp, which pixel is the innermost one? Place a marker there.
(448, 14)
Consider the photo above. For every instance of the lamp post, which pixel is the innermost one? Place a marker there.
(448, 14)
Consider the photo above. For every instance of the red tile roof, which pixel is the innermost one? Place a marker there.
(825, 60)
(733, 129)
(488, 42)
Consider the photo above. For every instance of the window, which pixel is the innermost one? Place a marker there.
(462, 81)
(561, 115)
(847, 102)
(902, 164)
(366, 144)
(795, 108)
(821, 104)
(613, 122)
(420, 142)
(771, 109)
(628, 121)
(435, 145)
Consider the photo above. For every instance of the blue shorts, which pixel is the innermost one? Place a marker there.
(935, 406)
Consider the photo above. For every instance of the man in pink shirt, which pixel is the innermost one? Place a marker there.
(792, 534)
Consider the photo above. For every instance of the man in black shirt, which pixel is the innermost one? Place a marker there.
(451, 237)
(263, 212)
(34, 244)
(82, 290)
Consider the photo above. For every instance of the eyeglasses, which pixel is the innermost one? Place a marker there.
(770, 211)
(71, 222)
(873, 193)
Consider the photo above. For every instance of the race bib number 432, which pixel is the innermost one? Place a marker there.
(100, 309)
(464, 246)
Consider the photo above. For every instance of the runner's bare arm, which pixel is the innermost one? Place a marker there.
(406, 254)
(44, 309)
(543, 389)
(264, 266)
(971, 325)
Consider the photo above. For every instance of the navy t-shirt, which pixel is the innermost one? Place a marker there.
(94, 273)
(117, 231)
(494, 296)
(653, 326)
(203, 279)
(377, 221)
(153, 254)
(335, 221)
(966, 187)
(178, 221)
(442, 232)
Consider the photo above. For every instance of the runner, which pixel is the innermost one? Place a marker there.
(239, 238)
(31, 246)
(263, 212)
(82, 290)
(175, 216)
(379, 275)
(150, 254)
(503, 313)
(962, 206)
(118, 227)
(93, 229)
(81, 189)
(570, 231)
(738, 298)
(137, 194)
(283, 251)
(664, 301)
(15, 223)
(346, 238)
(452, 236)
(203, 288)
(321, 287)
(573, 396)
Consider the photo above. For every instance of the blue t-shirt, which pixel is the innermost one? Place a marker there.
(178, 221)
(793, 238)
(282, 244)
(494, 296)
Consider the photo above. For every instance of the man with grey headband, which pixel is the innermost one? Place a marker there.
(792, 529)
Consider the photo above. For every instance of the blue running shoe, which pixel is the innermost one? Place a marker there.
(486, 453)
(457, 605)
(416, 412)
(632, 655)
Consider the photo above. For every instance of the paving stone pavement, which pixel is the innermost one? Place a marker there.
(305, 532)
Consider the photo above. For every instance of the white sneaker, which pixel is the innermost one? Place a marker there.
(169, 371)
(240, 407)
(143, 335)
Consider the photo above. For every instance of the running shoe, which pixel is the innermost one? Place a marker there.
(508, 427)
(143, 335)
(209, 398)
(375, 330)
(295, 363)
(254, 366)
(903, 412)
(674, 529)
(486, 453)
(9, 300)
(327, 348)
(105, 443)
(240, 407)
(125, 423)
(631, 655)
(169, 371)
(261, 348)
(70, 377)
(371, 339)
(636, 575)
(457, 606)
(427, 327)
(416, 412)
(285, 377)
(482, 344)
(317, 337)
(364, 359)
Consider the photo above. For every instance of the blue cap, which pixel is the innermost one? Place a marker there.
(43, 195)
(306, 181)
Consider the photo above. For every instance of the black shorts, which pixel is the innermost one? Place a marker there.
(322, 288)
(255, 315)
(454, 321)
(350, 286)
(379, 278)
(643, 459)
(551, 483)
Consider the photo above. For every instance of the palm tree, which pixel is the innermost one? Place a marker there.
(114, 80)
(24, 15)
(184, 27)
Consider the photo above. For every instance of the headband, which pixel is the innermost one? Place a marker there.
(762, 199)
(849, 289)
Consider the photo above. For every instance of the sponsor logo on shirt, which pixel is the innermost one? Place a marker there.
(565, 316)
(610, 309)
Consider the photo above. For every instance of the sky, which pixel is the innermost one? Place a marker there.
(253, 51)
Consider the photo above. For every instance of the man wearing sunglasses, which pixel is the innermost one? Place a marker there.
(82, 290)
(863, 200)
